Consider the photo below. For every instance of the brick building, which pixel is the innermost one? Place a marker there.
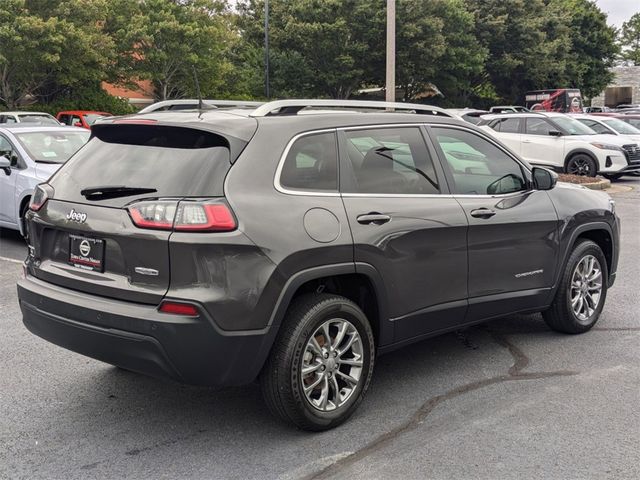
(624, 89)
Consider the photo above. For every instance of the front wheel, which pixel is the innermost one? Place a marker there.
(321, 363)
(582, 291)
(583, 165)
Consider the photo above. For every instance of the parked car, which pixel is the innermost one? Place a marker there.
(194, 103)
(468, 114)
(610, 126)
(508, 109)
(631, 119)
(29, 154)
(596, 109)
(81, 118)
(27, 117)
(219, 247)
(563, 143)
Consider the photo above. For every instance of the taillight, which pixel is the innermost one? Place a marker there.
(41, 194)
(211, 217)
(158, 215)
(177, 308)
(184, 216)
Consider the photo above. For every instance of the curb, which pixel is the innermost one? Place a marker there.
(602, 184)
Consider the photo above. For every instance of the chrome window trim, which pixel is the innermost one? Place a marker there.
(307, 193)
(311, 193)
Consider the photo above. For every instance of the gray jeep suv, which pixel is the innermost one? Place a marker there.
(294, 242)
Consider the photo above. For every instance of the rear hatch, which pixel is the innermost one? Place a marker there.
(85, 235)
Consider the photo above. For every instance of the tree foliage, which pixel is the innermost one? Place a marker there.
(630, 40)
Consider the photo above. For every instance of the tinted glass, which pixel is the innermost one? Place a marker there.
(175, 161)
(633, 121)
(507, 125)
(312, 164)
(52, 147)
(91, 118)
(477, 166)
(391, 160)
(538, 126)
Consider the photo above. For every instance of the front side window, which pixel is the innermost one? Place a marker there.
(477, 166)
(311, 164)
(390, 161)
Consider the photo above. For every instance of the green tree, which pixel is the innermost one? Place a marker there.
(630, 40)
(593, 46)
(526, 45)
(323, 48)
(44, 45)
(165, 40)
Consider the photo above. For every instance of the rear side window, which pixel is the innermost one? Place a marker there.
(311, 164)
(177, 162)
(507, 125)
(391, 161)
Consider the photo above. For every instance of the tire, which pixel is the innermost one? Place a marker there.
(583, 165)
(562, 316)
(23, 212)
(282, 379)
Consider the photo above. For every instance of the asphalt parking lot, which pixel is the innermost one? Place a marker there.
(509, 399)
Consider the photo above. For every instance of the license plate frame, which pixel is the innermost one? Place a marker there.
(86, 253)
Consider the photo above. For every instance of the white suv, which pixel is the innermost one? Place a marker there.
(563, 143)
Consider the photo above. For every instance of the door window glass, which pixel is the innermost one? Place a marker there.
(477, 166)
(538, 126)
(391, 160)
(312, 164)
(507, 125)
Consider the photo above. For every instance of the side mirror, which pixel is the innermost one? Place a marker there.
(555, 133)
(5, 164)
(544, 179)
(78, 124)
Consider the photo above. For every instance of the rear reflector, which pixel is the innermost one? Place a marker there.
(176, 308)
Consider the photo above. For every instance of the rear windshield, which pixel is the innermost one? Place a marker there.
(177, 162)
(38, 118)
(91, 118)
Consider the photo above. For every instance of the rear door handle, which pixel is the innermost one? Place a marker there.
(482, 213)
(373, 217)
(526, 141)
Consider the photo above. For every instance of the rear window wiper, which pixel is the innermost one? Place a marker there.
(113, 191)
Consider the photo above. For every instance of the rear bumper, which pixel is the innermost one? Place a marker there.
(139, 338)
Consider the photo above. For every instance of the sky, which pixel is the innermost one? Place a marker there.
(619, 10)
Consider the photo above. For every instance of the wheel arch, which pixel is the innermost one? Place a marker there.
(578, 151)
(22, 208)
(599, 232)
(359, 282)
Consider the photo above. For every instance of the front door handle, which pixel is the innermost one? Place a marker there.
(373, 217)
(482, 213)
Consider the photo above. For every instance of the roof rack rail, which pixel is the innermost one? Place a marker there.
(292, 107)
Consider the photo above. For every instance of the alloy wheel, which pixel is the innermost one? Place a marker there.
(332, 364)
(586, 288)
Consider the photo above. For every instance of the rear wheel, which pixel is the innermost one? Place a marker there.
(582, 164)
(321, 364)
(582, 291)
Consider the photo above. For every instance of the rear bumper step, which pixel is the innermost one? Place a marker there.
(139, 338)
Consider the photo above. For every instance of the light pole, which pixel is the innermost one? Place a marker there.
(266, 49)
(391, 51)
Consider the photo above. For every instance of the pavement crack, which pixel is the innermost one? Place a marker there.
(520, 362)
